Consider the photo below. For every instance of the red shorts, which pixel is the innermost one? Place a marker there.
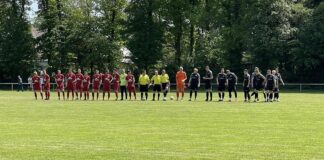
(60, 87)
(131, 88)
(37, 88)
(85, 89)
(47, 87)
(78, 87)
(116, 87)
(96, 88)
(70, 88)
(181, 86)
(106, 88)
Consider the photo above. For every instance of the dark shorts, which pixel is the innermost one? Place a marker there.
(269, 88)
(246, 88)
(164, 85)
(157, 87)
(259, 87)
(123, 89)
(193, 86)
(144, 88)
(221, 87)
(208, 86)
(231, 88)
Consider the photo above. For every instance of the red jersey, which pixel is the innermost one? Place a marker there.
(96, 80)
(70, 79)
(59, 79)
(36, 82)
(79, 78)
(116, 78)
(47, 79)
(106, 79)
(130, 80)
(86, 82)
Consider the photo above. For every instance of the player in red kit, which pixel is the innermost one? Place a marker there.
(47, 85)
(78, 84)
(59, 79)
(37, 85)
(96, 82)
(116, 79)
(131, 84)
(70, 84)
(85, 85)
(106, 81)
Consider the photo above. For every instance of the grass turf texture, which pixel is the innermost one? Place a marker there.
(290, 129)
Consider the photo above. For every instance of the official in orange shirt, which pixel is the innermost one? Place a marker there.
(181, 78)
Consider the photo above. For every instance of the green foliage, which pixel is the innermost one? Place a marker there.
(235, 34)
(144, 33)
(16, 42)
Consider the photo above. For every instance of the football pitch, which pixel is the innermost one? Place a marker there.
(290, 129)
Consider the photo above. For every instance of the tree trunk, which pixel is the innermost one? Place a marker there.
(207, 10)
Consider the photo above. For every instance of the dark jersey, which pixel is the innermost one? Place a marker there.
(221, 78)
(194, 78)
(209, 75)
(270, 80)
(246, 80)
(258, 79)
(231, 78)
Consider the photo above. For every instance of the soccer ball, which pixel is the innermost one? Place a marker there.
(171, 98)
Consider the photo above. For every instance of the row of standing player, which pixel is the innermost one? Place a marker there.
(78, 84)
(268, 85)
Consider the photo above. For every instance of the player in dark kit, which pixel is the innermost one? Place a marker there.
(70, 84)
(59, 79)
(231, 81)
(270, 85)
(208, 78)
(279, 78)
(246, 85)
(258, 83)
(47, 85)
(221, 82)
(107, 79)
(78, 84)
(194, 83)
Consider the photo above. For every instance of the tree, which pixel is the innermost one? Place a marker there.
(16, 41)
(144, 33)
(310, 53)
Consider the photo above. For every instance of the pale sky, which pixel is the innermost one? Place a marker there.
(33, 9)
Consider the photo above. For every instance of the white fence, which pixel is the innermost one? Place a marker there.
(301, 87)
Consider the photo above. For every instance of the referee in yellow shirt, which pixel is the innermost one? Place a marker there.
(144, 81)
(165, 84)
(156, 82)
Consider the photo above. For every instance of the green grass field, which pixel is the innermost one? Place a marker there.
(291, 129)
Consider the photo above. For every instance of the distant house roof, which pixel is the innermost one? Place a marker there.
(35, 32)
(126, 55)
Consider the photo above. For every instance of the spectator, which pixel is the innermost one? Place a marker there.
(20, 84)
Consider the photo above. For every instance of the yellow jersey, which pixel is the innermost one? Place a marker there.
(144, 79)
(165, 78)
(156, 79)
